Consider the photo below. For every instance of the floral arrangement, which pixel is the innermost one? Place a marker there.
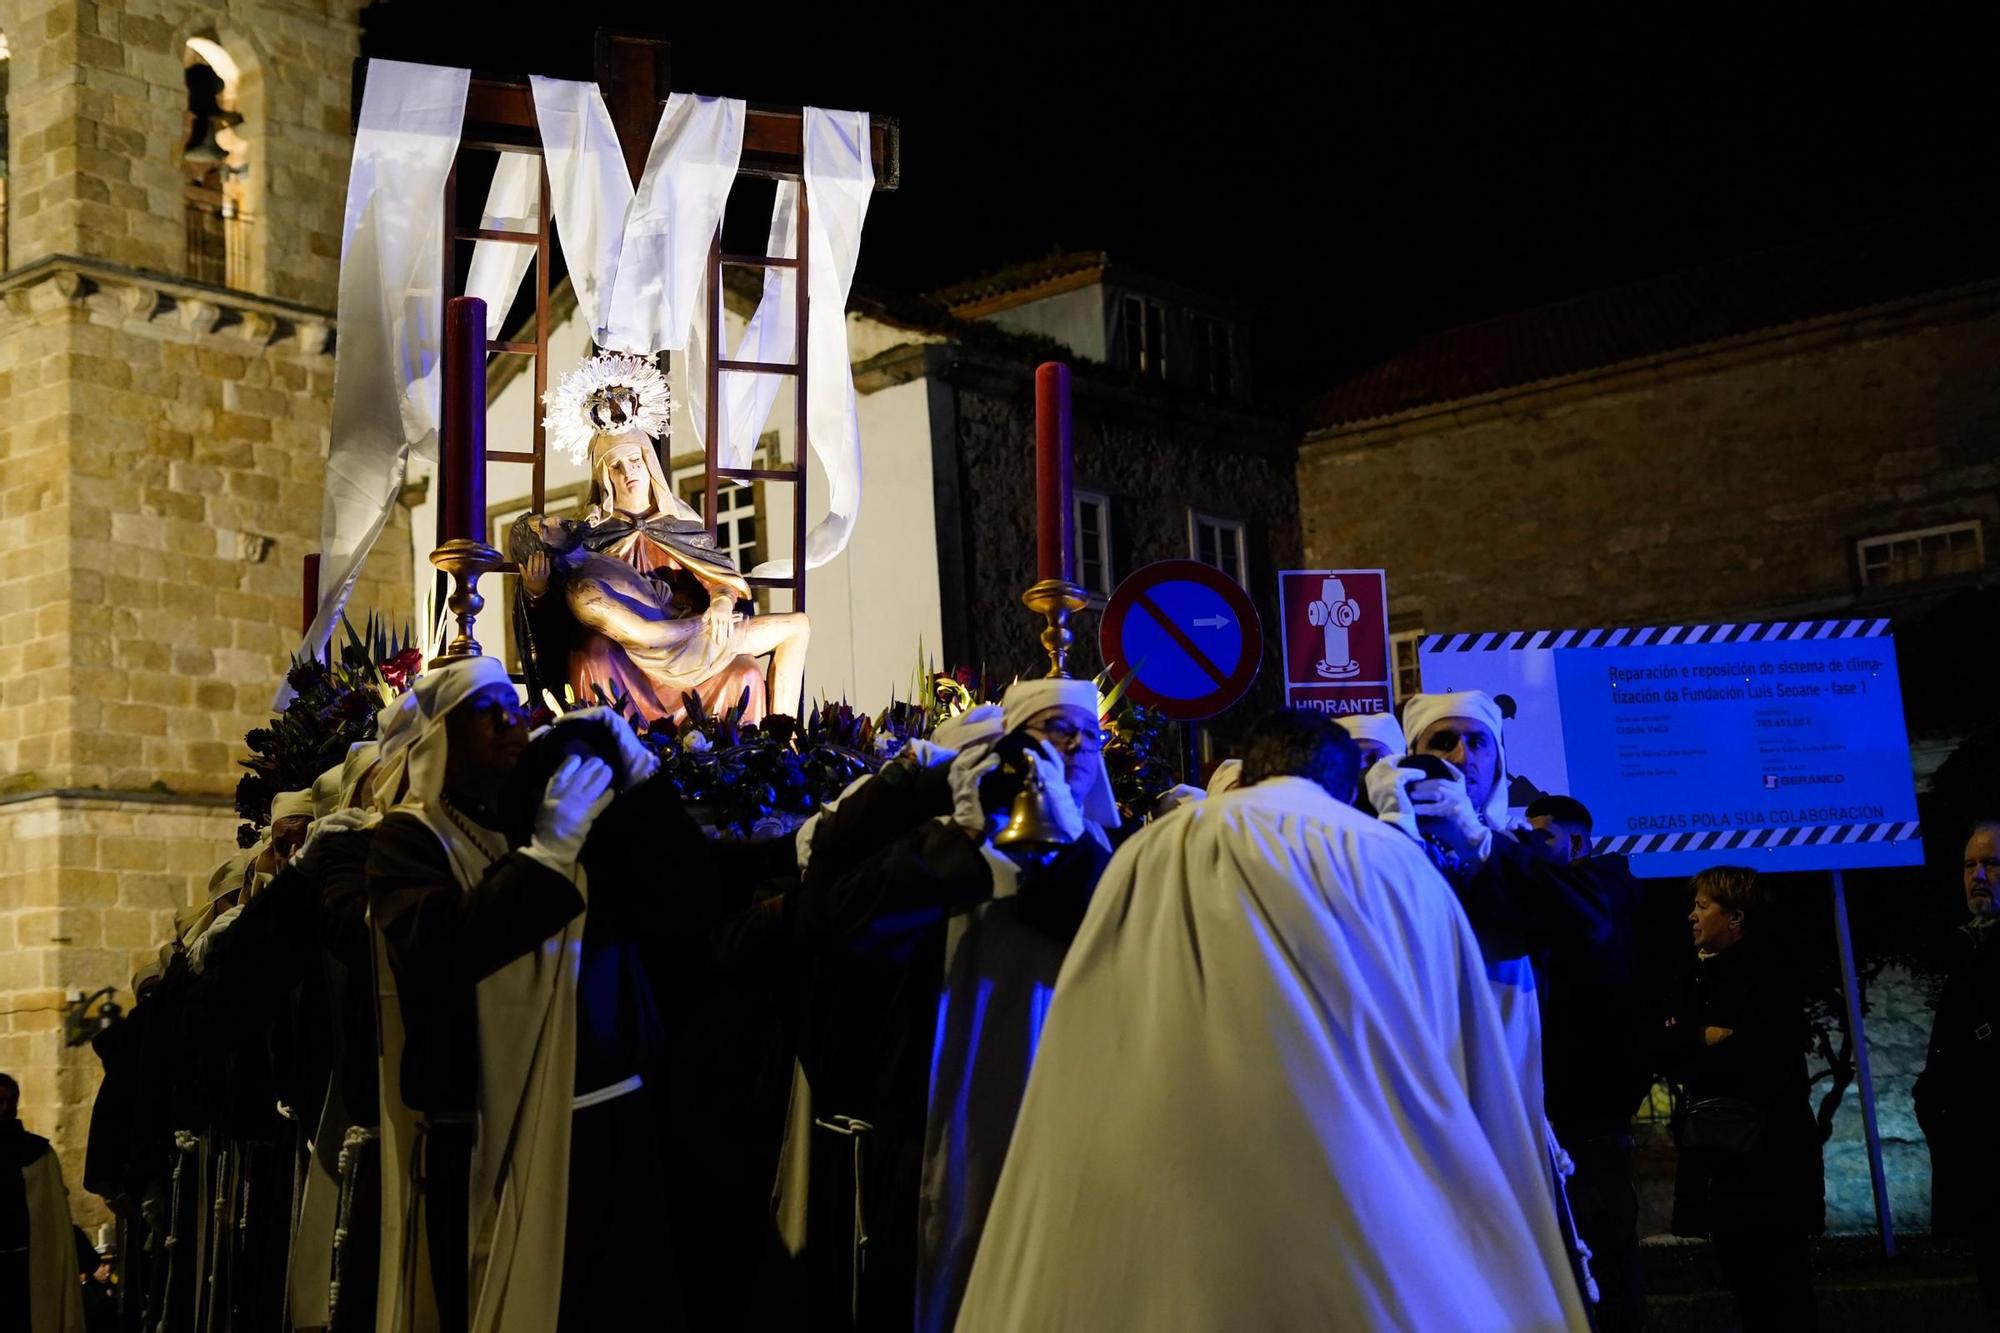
(755, 780)
(335, 697)
(1138, 753)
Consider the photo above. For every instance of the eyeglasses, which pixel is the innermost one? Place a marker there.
(1068, 737)
(501, 712)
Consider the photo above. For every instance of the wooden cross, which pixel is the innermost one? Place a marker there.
(632, 70)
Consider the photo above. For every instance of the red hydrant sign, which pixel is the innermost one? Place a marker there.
(1334, 625)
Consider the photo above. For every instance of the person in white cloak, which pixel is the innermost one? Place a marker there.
(1272, 1093)
(927, 1001)
(1225, 775)
(39, 1292)
(475, 940)
(1001, 960)
(1520, 901)
(1377, 734)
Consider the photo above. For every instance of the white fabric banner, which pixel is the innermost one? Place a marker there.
(386, 371)
(636, 258)
(771, 335)
(590, 191)
(513, 203)
(839, 180)
(671, 221)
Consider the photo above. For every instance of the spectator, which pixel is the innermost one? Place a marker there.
(1378, 734)
(1961, 1077)
(39, 1287)
(1748, 1174)
(1593, 1067)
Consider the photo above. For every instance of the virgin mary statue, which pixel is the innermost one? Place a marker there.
(634, 599)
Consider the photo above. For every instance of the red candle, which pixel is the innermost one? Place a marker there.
(310, 606)
(462, 511)
(1055, 516)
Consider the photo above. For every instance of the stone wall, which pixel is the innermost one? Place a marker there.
(96, 104)
(161, 462)
(1155, 458)
(160, 478)
(88, 890)
(1898, 1024)
(1702, 486)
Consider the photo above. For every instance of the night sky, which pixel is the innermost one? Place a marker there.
(1357, 179)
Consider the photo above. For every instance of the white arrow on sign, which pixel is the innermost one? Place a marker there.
(1211, 622)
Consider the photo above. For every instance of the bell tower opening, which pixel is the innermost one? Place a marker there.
(216, 163)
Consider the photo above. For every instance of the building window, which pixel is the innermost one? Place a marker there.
(1925, 553)
(1217, 367)
(1145, 337)
(1218, 542)
(215, 168)
(1093, 544)
(1409, 678)
(737, 526)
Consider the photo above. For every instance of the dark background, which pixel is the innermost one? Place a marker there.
(1356, 179)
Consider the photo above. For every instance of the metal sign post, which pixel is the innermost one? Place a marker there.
(1863, 1079)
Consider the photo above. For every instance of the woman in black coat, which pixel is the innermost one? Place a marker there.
(1748, 1172)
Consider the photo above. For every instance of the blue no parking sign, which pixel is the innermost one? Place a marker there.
(1185, 637)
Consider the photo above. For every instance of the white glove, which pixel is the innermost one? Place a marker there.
(972, 765)
(340, 821)
(1176, 796)
(578, 791)
(1047, 761)
(927, 754)
(1389, 792)
(634, 760)
(1457, 824)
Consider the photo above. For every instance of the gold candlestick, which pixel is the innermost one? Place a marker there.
(465, 560)
(1056, 599)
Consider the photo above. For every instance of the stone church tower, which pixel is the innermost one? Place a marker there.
(175, 177)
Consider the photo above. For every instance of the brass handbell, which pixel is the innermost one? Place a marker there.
(1031, 825)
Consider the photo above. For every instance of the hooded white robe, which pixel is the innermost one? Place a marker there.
(1272, 1093)
(999, 975)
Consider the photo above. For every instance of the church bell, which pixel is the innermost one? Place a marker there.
(1031, 824)
(202, 146)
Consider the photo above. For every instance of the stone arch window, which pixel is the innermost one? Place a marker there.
(217, 165)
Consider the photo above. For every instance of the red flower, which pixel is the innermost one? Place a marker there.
(400, 669)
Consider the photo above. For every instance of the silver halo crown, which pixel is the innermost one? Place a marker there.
(608, 394)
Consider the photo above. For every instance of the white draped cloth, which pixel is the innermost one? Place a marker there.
(839, 182)
(520, 1167)
(637, 256)
(1272, 1093)
(55, 1302)
(391, 312)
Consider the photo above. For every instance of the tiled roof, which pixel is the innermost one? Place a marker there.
(1851, 270)
(995, 289)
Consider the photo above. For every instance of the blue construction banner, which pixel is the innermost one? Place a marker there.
(1779, 746)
